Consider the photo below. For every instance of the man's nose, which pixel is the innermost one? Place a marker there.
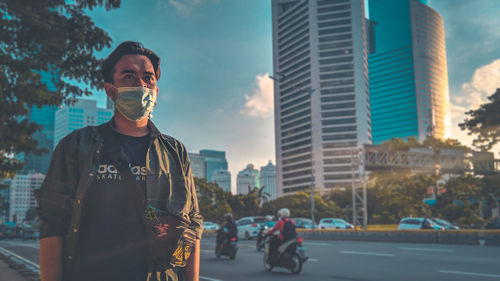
(141, 83)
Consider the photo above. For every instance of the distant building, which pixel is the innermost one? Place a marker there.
(214, 160)
(81, 114)
(223, 179)
(4, 199)
(44, 117)
(268, 179)
(21, 194)
(409, 95)
(198, 165)
(247, 177)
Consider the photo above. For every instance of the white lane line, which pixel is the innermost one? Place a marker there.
(13, 243)
(7, 252)
(313, 260)
(209, 279)
(470, 273)
(316, 244)
(207, 251)
(367, 254)
(427, 250)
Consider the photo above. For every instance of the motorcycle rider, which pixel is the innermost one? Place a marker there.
(227, 231)
(269, 221)
(284, 215)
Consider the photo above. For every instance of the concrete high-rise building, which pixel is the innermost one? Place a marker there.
(21, 194)
(268, 179)
(248, 177)
(409, 95)
(43, 116)
(82, 113)
(321, 99)
(223, 179)
(198, 165)
(4, 199)
(214, 160)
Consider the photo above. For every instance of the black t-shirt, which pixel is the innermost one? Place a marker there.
(113, 242)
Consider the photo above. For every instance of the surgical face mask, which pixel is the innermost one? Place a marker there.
(135, 103)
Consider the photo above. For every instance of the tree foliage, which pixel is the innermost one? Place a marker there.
(54, 37)
(484, 122)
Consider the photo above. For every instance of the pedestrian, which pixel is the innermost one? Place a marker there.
(118, 201)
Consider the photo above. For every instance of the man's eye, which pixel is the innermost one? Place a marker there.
(129, 76)
(149, 79)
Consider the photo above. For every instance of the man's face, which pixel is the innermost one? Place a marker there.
(132, 71)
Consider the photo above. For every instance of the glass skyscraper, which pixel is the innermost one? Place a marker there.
(409, 94)
(214, 160)
(45, 117)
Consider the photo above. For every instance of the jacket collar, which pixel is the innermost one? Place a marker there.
(107, 130)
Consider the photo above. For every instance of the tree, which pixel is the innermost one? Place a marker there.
(484, 122)
(54, 37)
(213, 201)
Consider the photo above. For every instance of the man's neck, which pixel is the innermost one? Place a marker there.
(130, 128)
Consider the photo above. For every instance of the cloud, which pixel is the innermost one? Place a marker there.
(185, 7)
(484, 82)
(260, 103)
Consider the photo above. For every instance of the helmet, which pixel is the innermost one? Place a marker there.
(269, 218)
(228, 216)
(284, 213)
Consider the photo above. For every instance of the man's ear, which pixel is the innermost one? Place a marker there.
(111, 91)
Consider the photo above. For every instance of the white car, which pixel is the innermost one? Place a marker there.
(418, 223)
(208, 225)
(248, 227)
(334, 223)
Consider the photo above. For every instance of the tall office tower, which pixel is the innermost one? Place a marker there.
(21, 194)
(43, 116)
(223, 179)
(81, 114)
(321, 99)
(198, 165)
(214, 160)
(268, 179)
(409, 93)
(248, 177)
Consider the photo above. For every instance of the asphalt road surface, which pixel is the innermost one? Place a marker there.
(341, 261)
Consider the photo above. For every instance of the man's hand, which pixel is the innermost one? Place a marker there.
(51, 268)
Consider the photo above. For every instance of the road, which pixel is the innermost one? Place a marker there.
(341, 261)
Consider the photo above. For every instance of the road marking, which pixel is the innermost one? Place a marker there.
(470, 273)
(367, 254)
(9, 253)
(209, 279)
(316, 244)
(207, 251)
(14, 243)
(313, 260)
(428, 250)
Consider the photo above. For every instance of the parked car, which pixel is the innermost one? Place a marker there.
(334, 223)
(418, 223)
(208, 225)
(493, 224)
(303, 223)
(248, 227)
(447, 225)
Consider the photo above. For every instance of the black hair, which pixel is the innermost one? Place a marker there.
(128, 48)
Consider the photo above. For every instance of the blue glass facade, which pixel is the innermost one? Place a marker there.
(391, 72)
(215, 160)
(45, 117)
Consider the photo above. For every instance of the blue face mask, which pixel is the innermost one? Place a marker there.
(135, 103)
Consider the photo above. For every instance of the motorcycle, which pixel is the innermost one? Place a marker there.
(259, 243)
(228, 247)
(290, 255)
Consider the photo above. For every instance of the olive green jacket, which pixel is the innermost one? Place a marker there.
(169, 182)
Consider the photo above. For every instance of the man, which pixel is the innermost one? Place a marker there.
(227, 230)
(119, 198)
(286, 228)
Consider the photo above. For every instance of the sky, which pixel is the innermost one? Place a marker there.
(217, 54)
